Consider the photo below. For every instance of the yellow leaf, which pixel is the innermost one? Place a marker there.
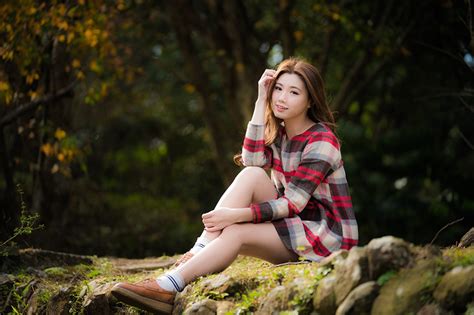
(62, 25)
(76, 63)
(33, 95)
(94, 66)
(70, 37)
(239, 67)
(61, 157)
(47, 149)
(54, 169)
(4, 86)
(189, 88)
(60, 134)
(298, 35)
(62, 38)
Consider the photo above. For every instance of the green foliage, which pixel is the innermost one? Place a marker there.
(384, 278)
(28, 224)
(142, 146)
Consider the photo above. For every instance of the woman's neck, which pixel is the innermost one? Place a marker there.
(294, 128)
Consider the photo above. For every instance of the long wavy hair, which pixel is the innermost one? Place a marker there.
(319, 110)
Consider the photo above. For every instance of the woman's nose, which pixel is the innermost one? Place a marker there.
(282, 96)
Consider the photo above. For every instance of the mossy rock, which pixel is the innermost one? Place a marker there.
(408, 291)
(456, 288)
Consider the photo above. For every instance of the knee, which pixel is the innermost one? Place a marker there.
(233, 231)
(253, 171)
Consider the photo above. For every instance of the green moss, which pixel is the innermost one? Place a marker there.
(56, 271)
(455, 256)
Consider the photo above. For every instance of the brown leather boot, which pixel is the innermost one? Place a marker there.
(146, 294)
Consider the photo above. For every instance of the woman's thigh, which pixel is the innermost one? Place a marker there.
(252, 185)
(264, 189)
(261, 241)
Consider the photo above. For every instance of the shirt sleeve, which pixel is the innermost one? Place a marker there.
(320, 157)
(254, 151)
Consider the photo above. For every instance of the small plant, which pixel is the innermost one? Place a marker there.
(28, 224)
(385, 277)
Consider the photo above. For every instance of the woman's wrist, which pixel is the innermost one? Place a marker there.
(244, 215)
(258, 117)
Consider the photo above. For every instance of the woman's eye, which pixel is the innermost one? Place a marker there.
(294, 92)
(277, 88)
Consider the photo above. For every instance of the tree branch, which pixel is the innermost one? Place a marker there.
(23, 108)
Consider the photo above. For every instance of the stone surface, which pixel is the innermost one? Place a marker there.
(97, 299)
(467, 239)
(59, 302)
(359, 301)
(139, 265)
(32, 257)
(334, 259)
(407, 292)
(276, 300)
(205, 307)
(456, 288)
(324, 301)
(222, 283)
(296, 294)
(387, 253)
(351, 272)
(433, 309)
(208, 307)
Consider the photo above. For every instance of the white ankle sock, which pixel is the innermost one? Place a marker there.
(201, 242)
(171, 281)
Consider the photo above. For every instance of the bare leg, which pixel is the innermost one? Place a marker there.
(258, 240)
(251, 185)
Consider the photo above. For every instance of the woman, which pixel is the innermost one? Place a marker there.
(303, 212)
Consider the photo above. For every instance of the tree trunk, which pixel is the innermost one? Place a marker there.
(10, 217)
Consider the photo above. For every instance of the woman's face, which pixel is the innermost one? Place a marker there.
(290, 98)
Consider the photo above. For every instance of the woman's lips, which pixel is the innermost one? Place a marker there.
(280, 108)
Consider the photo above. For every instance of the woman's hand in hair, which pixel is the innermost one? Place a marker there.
(263, 83)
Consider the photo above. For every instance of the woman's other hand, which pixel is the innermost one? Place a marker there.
(219, 218)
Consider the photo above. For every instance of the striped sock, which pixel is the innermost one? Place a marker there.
(201, 242)
(171, 281)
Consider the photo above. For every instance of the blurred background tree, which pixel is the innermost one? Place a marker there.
(120, 119)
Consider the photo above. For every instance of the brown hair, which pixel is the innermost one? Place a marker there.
(319, 110)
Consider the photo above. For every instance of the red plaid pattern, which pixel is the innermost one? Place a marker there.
(313, 214)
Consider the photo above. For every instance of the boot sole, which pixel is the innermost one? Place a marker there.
(134, 299)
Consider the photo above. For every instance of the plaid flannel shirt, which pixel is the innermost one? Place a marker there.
(313, 212)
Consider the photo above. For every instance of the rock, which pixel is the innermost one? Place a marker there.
(295, 295)
(359, 301)
(456, 287)
(41, 258)
(276, 300)
(433, 309)
(467, 239)
(205, 307)
(334, 259)
(387, 253)
(209, 307)
(139, 265)
(59, 303)
(222, 283)
(324, 301)
(406, 292)
(351, 272)
(470, 309)
(97, 301)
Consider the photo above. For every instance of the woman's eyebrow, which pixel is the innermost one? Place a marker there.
(291, 86)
